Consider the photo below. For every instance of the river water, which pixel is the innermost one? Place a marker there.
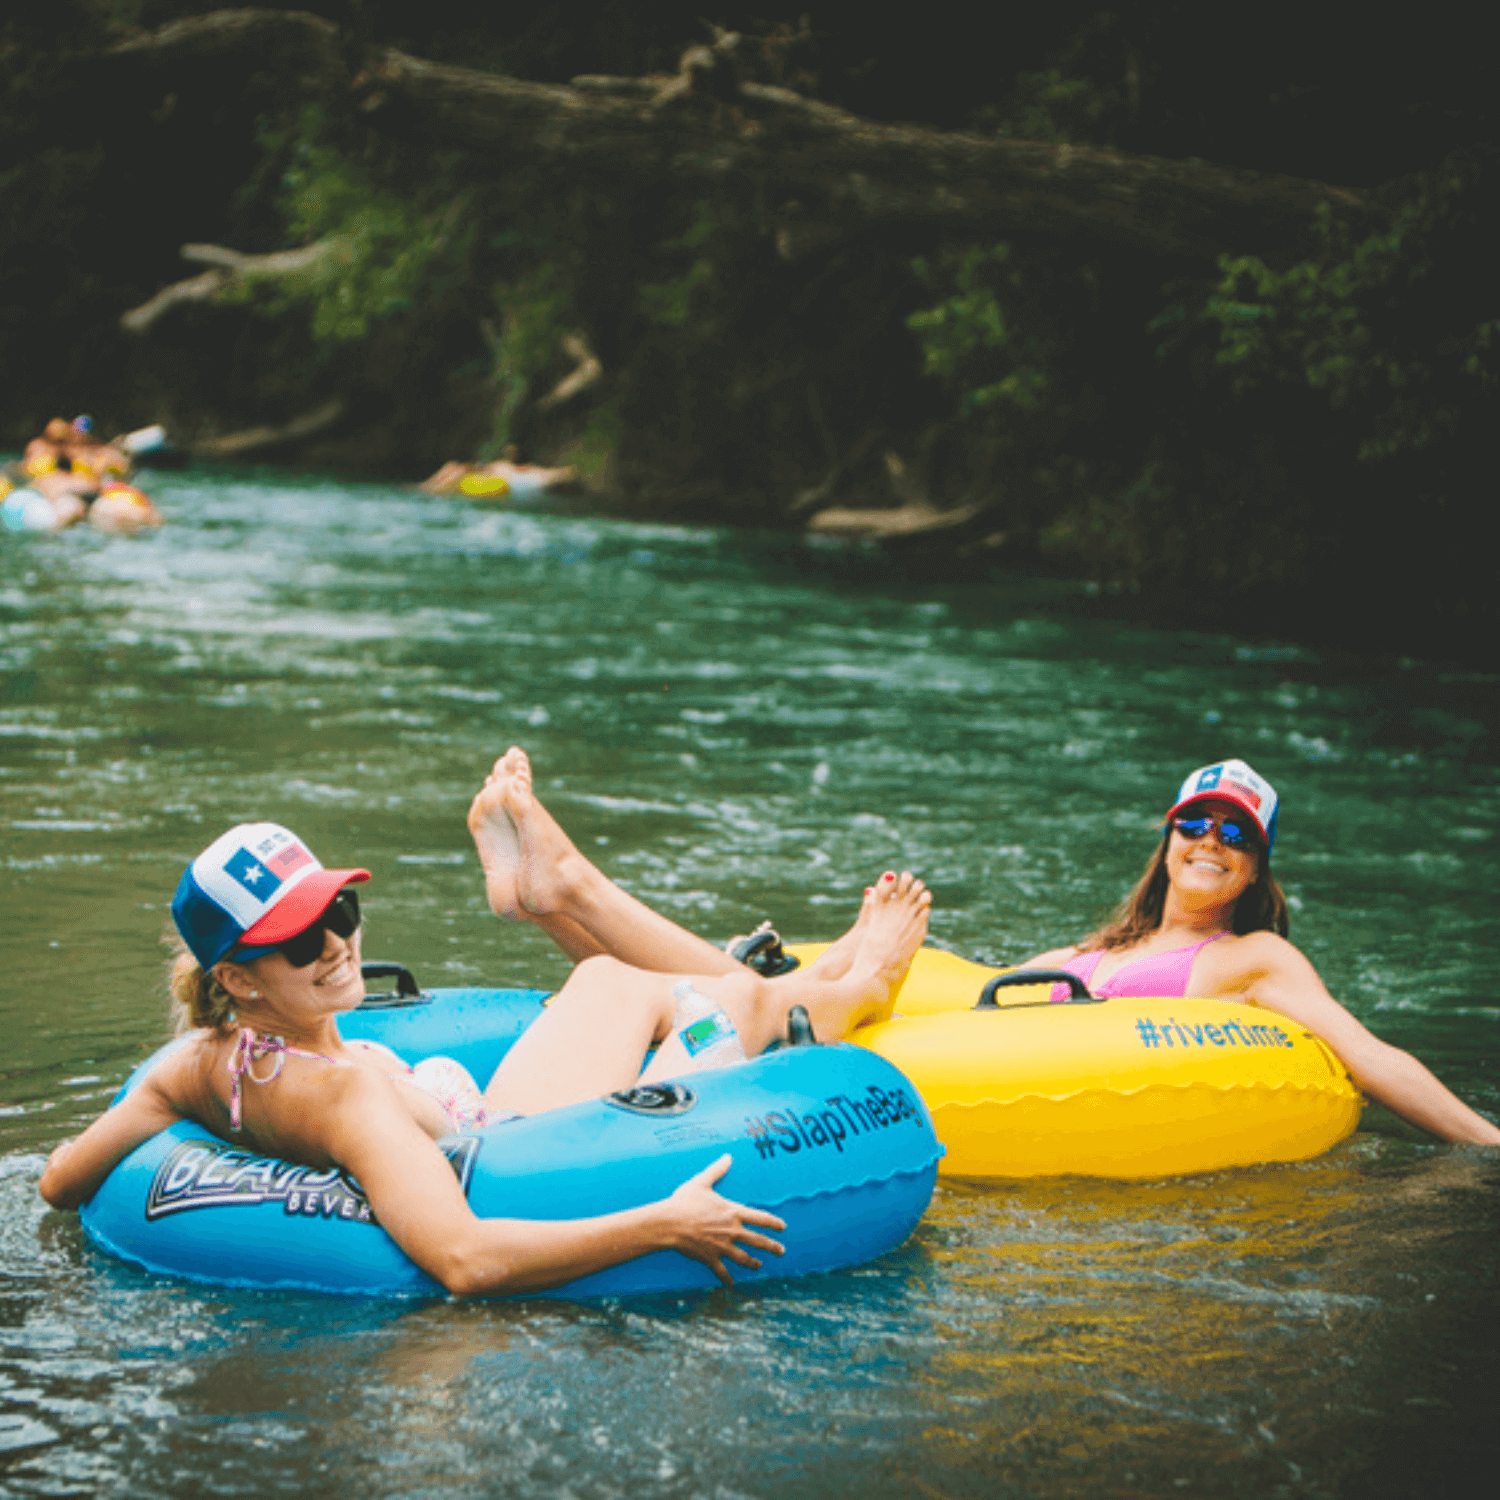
(734, 727)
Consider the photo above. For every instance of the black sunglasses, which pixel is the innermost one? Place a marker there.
(306, 947)
(1232, 835)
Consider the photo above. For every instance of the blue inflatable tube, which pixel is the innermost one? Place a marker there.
(833, 1139)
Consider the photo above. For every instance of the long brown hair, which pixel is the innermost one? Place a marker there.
(1260, 908)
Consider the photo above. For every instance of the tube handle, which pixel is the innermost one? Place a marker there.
(1078, 991)
(407, 991)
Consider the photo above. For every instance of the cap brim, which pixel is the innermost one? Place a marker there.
(300, 907)
(1223, 795)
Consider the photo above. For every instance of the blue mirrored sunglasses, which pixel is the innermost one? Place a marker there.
(1232, 835)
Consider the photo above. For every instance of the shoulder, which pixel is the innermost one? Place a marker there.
(325, 1083)
(380, 1051)
(354, 1115)
(179, 1073)
(1258, 947)
(333, 1093)
(1237, 962)
(318, 1111)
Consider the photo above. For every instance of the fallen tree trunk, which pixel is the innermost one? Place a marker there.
(823, 170)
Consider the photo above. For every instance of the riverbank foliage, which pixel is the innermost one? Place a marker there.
(1253, 444)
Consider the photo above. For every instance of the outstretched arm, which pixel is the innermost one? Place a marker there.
(418, 1201)
(76, 1169)
(1283, 980)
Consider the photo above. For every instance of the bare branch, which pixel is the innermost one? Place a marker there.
(908, 520)
(277, 263)
(202, 288)
(233, 34)
(587, 372)
(254, 439)
(229, 267)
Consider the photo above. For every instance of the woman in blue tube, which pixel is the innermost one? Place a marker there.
(273, 958)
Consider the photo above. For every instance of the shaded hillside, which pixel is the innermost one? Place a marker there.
(1200, 315)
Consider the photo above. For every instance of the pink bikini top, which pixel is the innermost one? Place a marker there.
(440, 1078)
(1163, 975)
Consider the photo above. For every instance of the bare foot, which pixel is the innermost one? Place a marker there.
(833, 962)
(895, 928)
(531, 866)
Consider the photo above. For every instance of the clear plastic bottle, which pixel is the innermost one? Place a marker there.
(706, 1033)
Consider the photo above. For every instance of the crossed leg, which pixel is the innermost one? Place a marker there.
(618, 1002)
(534, 872)
(595, 1034)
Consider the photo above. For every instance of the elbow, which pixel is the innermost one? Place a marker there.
(466, 1271)
(460, 1278)
(57, 1191)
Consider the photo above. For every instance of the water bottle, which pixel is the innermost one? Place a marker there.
(706, 1033)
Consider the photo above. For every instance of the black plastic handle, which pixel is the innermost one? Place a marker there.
(407, 991)
(1078, 991)
(799, 1028)
(762, 951)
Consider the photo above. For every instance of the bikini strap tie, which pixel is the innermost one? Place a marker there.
(248, 1050)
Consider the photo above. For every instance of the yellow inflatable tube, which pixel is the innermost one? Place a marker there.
(1116, 1088)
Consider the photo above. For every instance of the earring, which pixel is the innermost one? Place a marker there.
(255, 994)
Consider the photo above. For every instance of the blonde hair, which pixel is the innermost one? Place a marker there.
(199, 1000)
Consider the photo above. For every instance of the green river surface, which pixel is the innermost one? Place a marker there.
(734, 726)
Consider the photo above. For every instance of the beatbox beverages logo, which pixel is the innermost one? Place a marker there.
(212, 1174)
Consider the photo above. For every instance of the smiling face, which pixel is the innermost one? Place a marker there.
(1206, 871)
(275, 996)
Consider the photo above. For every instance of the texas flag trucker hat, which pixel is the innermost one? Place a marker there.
(1233, 781)
(258, 884)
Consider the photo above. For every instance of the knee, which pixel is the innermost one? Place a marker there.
(608, 984)
(593, 981)
(600, 970)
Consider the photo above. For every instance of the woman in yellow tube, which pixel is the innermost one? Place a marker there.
(1208, 920)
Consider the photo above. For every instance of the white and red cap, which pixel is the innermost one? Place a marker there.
(257, 885)
(1233, 781)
